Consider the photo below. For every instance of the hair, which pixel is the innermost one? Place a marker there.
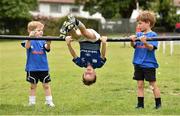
(147, 16)
(33, 25)
(88, 83)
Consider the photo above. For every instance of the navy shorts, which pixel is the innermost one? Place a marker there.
(149, 74)
(35, 76)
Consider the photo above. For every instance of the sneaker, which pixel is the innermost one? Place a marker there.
(158, 106)
(73, 20)
(66, 27)
(63, 29)
(139, 107)
(51, 104)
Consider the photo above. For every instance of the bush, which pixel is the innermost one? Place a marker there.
(13, 26)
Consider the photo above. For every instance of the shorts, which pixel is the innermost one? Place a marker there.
(149, 74)
(97, 35)
(35, 76)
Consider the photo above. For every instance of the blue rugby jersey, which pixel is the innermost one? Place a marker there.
(36, 56)
(90, 54)
(142, 56)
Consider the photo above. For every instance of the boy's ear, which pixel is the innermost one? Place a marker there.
(149, 23)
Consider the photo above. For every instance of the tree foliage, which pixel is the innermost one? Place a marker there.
(113, 8)
(167, 12)
(123, 8)
(15, 13)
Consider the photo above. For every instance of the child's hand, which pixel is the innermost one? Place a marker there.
(103, 39)
(143, 39)
(68, 39)
(32, 33)
(133, 38)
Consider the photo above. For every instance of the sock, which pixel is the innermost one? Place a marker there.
(158, 101)
(48, 99)
(32, 99)
(79, 23)
(141, 102)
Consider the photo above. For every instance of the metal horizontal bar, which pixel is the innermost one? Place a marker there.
(55, 38)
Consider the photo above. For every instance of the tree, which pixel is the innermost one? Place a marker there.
(167, 11)
(14, 14)
(123, 8)
(113, 8)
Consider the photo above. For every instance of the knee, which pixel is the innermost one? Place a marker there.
(140, 86)
(45, 86)
(33, 87)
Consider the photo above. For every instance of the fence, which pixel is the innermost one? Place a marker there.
(118, 26)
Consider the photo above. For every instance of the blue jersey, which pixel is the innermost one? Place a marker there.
(90, 54)
(36, 56)
(142, 56)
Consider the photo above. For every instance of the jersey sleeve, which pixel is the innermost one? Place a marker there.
(23, 43)
(154, 43)
(78, 61)
(103, 61)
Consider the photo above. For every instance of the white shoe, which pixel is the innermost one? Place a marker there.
(51, 104)
(66, 27)
(71, 18)
(31, 104)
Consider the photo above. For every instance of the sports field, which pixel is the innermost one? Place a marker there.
(113, 93)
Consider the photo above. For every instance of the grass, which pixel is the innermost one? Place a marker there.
(114, 92)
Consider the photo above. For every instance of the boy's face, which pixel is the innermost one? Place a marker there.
(38, 32)
(89, 73)
(143, 26)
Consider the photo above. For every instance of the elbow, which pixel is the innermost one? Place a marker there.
(27, 47)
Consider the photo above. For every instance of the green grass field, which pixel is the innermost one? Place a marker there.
(113, 93)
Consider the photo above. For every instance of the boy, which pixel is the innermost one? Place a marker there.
(90, 57)
(144, 60)
(37, 65)
(90, 43)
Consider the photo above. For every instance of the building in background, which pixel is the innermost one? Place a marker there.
(177, 4)
(61, 8)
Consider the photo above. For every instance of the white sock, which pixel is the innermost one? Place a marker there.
(49, 99)
(32, 99)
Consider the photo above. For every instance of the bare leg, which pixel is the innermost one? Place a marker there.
(33, 89)
(156, 93)
(140, 88)
(32, 94)
(48, 95)
(47, 89)
(140, 94)
(155, 89)
(86, 32)
(75, 34)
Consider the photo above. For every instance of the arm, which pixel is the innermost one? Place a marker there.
(149, 46)
(103, 48)
(71, 50)
(27, 44)
(48, 45)
(133, 39)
